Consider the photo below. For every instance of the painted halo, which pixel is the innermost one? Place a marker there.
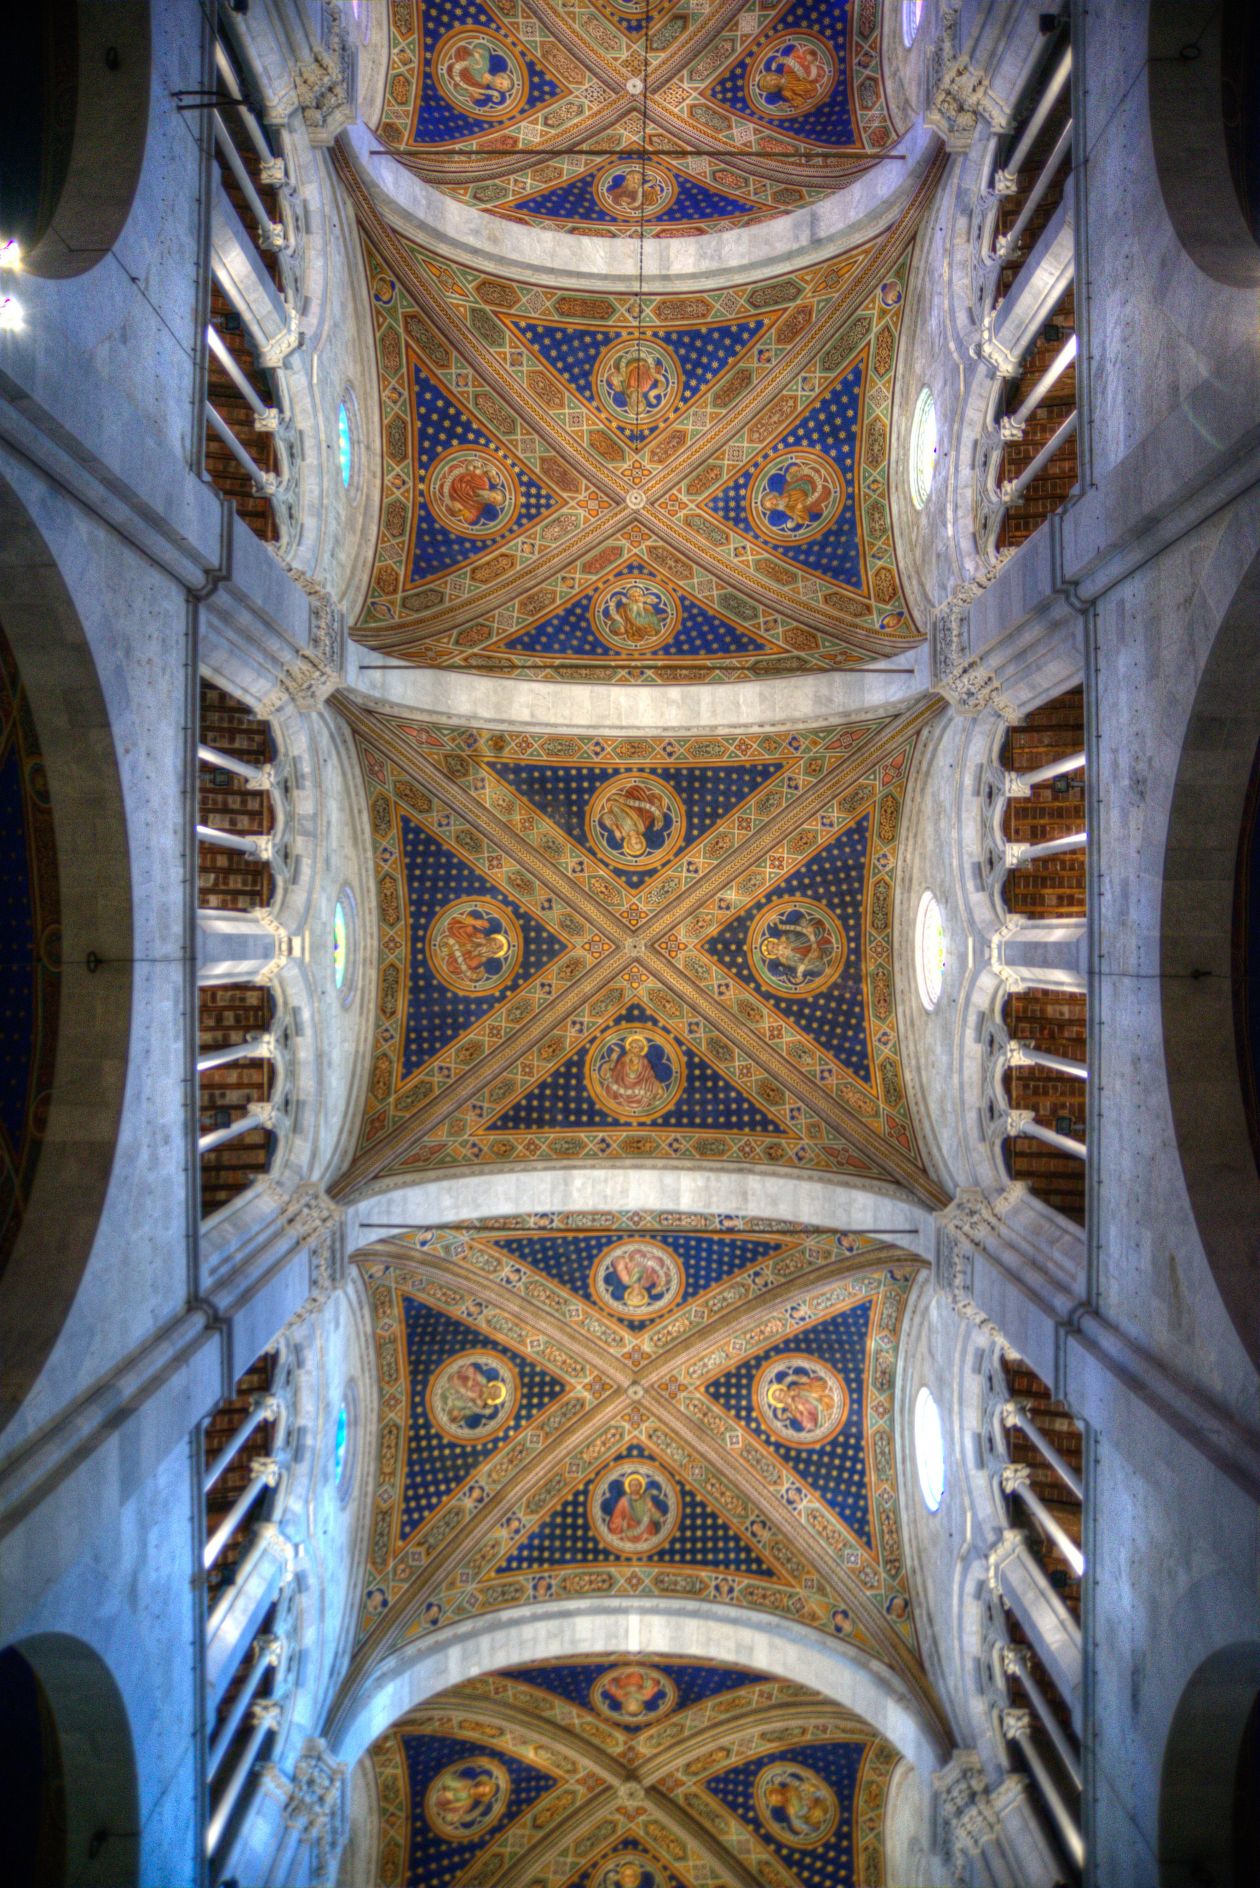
(473, 1396)
(472, 493)
(634, 1072)
(633, 1694)
(634, 614)
(637, 1278)
(467, 1799)
(795, 1804)
(800, 1400)
(634, 1508)
(638, 381)
(627, 1871)
(478, 73)
(635, 820)
(797, 494)
(474, 946)
(793, 75)
(796, 947)
(630, 189)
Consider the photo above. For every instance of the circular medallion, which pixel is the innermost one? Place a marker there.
(796, 947)
(633, 1694)
(466, 1799)
(633, 190)
(478, 73)
(473, 1396)
(638, 381)
(636, 1278)
(471, 493)
(890, 294)
(634, 1508)
(634, 613)
(473, 946)
(795, 1804)
(793, 75)
(634, 1073)
(634, 820)
(795, 495)
(800, 1400)
(627, 1871)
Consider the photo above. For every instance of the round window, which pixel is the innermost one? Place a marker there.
(911, 17)
(345, 444)
(929, 1449)
(339, 1443)
(341, 944)
(929, 951)
(922, 449)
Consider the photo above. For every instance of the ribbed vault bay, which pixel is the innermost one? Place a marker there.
(622, 117)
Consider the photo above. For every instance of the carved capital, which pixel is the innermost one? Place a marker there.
(971, 688)
(1015, 1475)
(276, 351)
(969, 1820)
(307, 683)
(1007, 1548)
(266, 1711)
(280, 1547)
(324, 84)
(267, 1469)
(1016, 1723)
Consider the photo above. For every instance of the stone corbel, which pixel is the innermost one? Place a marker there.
(307, 683)
(968, 1820)
(278, 349)
(985, 346)
(971, 688)
(958, 91)
(324, 84)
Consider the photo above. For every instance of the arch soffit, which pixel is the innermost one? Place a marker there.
(657, 1628)
(94, 883)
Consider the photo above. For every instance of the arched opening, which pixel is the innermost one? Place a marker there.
(63, 778)
(1209, 1803)
(1206, 142)
(1208, 996)
(73, 133)
(72, 1815)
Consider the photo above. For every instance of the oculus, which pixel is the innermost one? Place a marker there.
(637, 380)
(471, 493)
(633, 1694)
(923, 444)
(473, 946)
(795, 1804)
(635, 820)
(634, 1073)
(801, 1401)
(636, 1278)
(634, 190)
(795, 74)
(634, 613)
(796, 947)
(929, 1449)
(795, 496)
(473, 1396)
(467, 1799)
(479, 74)
(627, 1871)
(929, 951)
(634, 1508)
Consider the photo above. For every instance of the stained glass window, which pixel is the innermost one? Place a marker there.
(341, 944)
(339, 1443)
(345, 446)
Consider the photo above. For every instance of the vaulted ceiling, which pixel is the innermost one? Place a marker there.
(622, 117)
(628, 1405)
(663, 948)
(604, 484)
(631, 1773)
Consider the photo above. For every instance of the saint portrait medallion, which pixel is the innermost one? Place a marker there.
(796, 947)
(800, 1400)
(474, 946)
(632, 190)
(634, 820)
(467, 1799)
(473, 1396)
(634, 1508)
(634, 1073)
(638, 381)
(633, 1694)
(636, 1278)
(890, 293)
(471, 492)
(479, 73)
(627, 1871)
(796, 494)
(795, 1804)
(793, 75)
(634, 614)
